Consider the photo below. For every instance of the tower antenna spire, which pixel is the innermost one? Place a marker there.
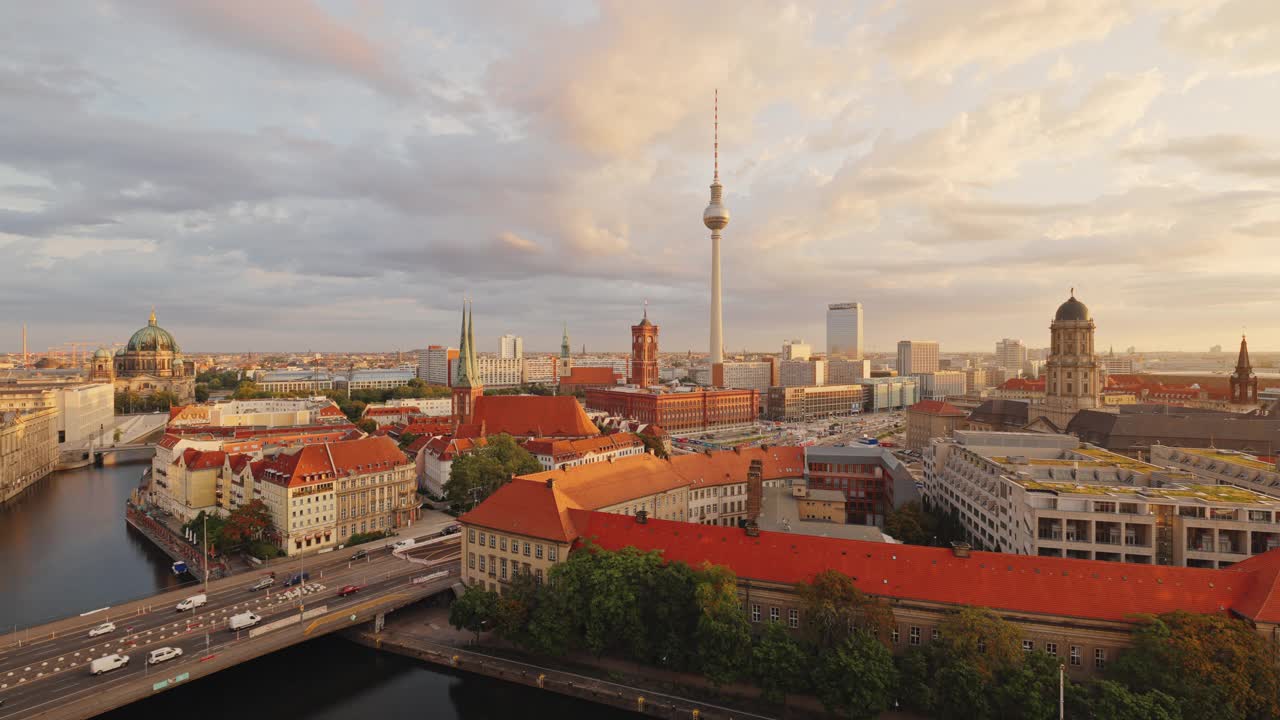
(716, 143)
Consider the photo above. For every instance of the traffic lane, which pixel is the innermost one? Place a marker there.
(163, 618)
(213, 634)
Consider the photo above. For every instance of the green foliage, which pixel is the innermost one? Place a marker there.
(915, 681)
(202, 393)
(960, 693)
(367, 425)
(248, 390)
(908, 524)
(654, 445)
(264, 550)
(855, 678)
(532, 389)
(474, 476)
(115, 436)
(1028, 690)
(978, 638)
(128, 401)
(476, 610)
(1109, 700)
(245, 523)
(406, 439)
(723, 636)
(219, 379)
(779, 664)
(1213, 665)
(364, 537)
(834, 608)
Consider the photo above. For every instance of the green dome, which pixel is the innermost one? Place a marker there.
(152, 338)
(101, 353)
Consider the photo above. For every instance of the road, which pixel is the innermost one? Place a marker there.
(52, 671)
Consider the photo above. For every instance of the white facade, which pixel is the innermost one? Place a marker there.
(844, 331)
(796, 350)
(1113, 365)
(1050, 495)
(497, 372)
(975, 380)
(541, 370)
(377, 379)
(942, 384)
(746, 376)
(847, 372)
(917, 356)
(295, 381)
(802, 373)
(1011, 354)
(85, 414)
(434, 407)
(265, 412)
(510, 347)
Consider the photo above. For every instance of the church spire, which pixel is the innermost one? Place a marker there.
(1242, 362)
(152, 320)
(1243, 383)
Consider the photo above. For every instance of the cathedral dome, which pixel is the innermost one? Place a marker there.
(101, 354)
(1072, 311)
(152, 338)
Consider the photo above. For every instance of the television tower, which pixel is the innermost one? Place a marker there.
(715, 217)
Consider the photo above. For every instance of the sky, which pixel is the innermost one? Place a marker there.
(328, 176)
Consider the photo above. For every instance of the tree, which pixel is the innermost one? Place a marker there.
(116, 435)
(515, 607)
(246, 523)
(723, 637)
(779, 664)
(1029, 690)
(476, 610)
(915, 680)
(1110, 700)
(248, 390)
(961, 692)
(477, 474)
(834, 608)
(855, 677)
(406, 439)
(202, 393)
(908, 524)
(367, 425)
(654, 445)
(980, 639)
(1215, 666)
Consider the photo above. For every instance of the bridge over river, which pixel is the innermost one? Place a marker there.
(44, 671)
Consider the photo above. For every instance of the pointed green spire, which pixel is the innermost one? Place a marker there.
(466, 354)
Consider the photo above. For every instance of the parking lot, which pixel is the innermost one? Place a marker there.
(839, 430)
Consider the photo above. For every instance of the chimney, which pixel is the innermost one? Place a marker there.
(753, 530)
(755, 490)
(960, 549)
(551, 482)
(642, 516)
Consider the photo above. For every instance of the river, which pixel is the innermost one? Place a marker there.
(65, 549)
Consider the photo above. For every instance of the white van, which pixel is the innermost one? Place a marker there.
(243, 620)
(159, 655)
(193, 602)
(107, 663)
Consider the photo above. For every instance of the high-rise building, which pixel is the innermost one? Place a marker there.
(844, 331)
(917, 356)
(644, 352)
(846, 372)
(1073, 379)
(796, 350)
(716, 217)
(942, 384)
(802, 373)
(746, 375)
(1011, 354)
(511, 347)
(436, 364)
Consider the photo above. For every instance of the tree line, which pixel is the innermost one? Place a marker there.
(634, 605)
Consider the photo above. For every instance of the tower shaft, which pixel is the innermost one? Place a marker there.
(717, 330)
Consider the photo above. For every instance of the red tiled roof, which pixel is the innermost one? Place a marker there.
(313, 463)
(590, 376)
(238, 461)
(169, 441)
(175, 410)
(416, 446)
(526, 508)
(357, 457)
(731, 466)
(937, 407)
(585, 446)
(1017, 583)
(391, 411)
(330, 411)
(203, 459)
(533, 416)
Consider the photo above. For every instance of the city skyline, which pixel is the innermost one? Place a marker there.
(959, 174)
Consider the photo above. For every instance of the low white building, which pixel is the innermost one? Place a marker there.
(555, 454)
(265, 412)
(1053, 496)
(942, 384)
(291, 381)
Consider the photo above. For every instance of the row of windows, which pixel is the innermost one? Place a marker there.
(497, 567)
(793, 615)
(1051, 648)
(501, 543)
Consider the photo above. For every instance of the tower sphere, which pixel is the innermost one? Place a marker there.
(716, 216)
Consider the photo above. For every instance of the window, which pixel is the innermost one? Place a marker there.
(894, 635)
(504, 569)
(537, 576)
(552, 550)
(1028, 645)
(471, 560)
(493, 540)
(773, 614)
(481, 539)
(1075, 655)
(982, 645)
(755, 613)
(503, 544)
(1051, 648)
(537, 551)
(914, 635)
(482, 563)
(934, 635)
(793, 618)
(526, 549)
(1099, 658)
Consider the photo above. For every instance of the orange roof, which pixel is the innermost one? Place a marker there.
(730, 466)
(330, 411)
(203, 459)
(357, 457)
(314, 463)
(585, 446)
(590, 376)
(526, 508)
(603, 484)
(175, 410)
(391, 411)
(937, 407)
(533, 416)
(418, 444)
(1017, 583)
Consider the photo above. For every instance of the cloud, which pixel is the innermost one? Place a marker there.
(1244, 34)
(1231, 154)
(512, 241)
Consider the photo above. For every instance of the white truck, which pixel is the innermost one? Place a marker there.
(193, 602)
(107, 663)
(243, 620)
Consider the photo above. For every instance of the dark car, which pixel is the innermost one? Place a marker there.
(359, 554)
(451, 529)
(296, 578)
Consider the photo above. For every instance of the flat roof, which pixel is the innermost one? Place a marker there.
(1230, 457)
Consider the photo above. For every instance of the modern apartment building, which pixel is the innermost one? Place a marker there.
(84, 415)
(510, 347)
(796, 350)
(844, 331)
(975, 380)
(374, 379)
(1225, 467)
(1011, 354)
(889, 393)
(847, 372)
(942, 384)
(296, 381)
(807, 403)
(541, 370)
(864, 474)
(1053, 496)
(917, 356)
(802, 373)
(437, 364)
(749, 375)
(28, 449)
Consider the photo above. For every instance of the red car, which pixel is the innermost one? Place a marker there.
(349, 590)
